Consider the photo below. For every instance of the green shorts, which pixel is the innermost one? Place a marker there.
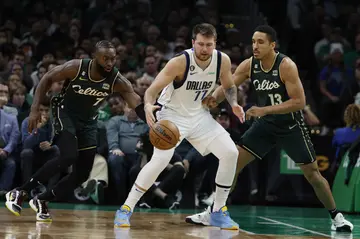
(294, 139)
(85, 132)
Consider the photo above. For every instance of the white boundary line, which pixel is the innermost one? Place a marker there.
(296, 227)
(247, 232)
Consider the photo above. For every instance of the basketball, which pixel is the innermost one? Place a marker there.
(164, 135)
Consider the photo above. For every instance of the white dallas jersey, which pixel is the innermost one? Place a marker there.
(184, 97)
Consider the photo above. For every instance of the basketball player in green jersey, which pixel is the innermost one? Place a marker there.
(279, 120)
(87, 84)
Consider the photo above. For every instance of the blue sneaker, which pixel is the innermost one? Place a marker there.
(222, 219)
(122, 217)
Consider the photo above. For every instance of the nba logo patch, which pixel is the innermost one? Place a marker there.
(192, 68)
(83, 73)
(256, 66)
(275, 72)
(106, 86)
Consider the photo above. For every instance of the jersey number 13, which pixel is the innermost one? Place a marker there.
(275, 99)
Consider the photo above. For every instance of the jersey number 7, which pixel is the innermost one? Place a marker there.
(198, 93)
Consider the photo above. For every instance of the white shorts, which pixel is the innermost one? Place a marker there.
(199, 130)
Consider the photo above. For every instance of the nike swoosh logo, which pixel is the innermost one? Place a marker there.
(192, 73)
(257, 72)
(84, 79)
(291, 127)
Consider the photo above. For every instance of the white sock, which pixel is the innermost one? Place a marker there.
(148, 174)
(225, 150)
(134, 196)
(221, 195)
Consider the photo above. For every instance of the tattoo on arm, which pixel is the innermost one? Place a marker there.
(231, 95)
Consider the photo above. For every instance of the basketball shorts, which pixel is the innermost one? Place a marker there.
(86, 133)
(294, 139)
(199, 130)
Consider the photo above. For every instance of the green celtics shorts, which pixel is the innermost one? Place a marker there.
(85, 132)
(294, 139)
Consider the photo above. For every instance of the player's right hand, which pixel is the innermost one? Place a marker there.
(209, 102)
(149, 113)
(34, 120)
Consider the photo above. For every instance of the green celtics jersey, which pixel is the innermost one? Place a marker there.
(81, 97)
(271, 90)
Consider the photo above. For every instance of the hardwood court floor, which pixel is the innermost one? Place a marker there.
(86, 221)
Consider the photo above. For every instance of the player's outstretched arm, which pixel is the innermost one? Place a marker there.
(67, 71)
(124, 87)
(241, 74)
(63, 72)
(290, 76)
(174, 69)
(227, 83)
(229, 88)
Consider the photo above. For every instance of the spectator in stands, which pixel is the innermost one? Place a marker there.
(350, 57)
(116, 104)
(336, 82)
(9, 136)
(5, 56)
(4, 97)
(150, 68)
(123, 133)
(37, 148)
(142, 84)
(18, 99)
(357, 79)
(344, 137)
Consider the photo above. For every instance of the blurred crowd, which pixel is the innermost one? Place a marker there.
(322, 37)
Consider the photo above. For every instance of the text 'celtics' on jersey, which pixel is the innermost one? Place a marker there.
(81, 97)
(271, 90)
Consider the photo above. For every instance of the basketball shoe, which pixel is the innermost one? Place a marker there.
(340, 224)
(220, 219)
(122, 217)
(14, 200)
(202, 218)
(41, 209)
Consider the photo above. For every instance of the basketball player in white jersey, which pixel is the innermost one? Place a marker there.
(185, 81)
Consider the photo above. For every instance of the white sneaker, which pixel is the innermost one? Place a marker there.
(41, 209)
(202, 218)
(210, 200)
(340, 224)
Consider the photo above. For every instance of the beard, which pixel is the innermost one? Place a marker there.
(202, 57)
(100, 69)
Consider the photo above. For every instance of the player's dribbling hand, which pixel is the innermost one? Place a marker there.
(34, 120)
(239, 112)
(255, 112)
(209, 102)
(149, 113)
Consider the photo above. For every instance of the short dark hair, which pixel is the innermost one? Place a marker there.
(268, 30)
(204, 29)
(104, 44)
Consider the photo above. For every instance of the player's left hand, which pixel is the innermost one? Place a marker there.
(239, 112)
(255, 112)
(209, 102)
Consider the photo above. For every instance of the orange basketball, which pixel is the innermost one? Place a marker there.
(164, 135)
